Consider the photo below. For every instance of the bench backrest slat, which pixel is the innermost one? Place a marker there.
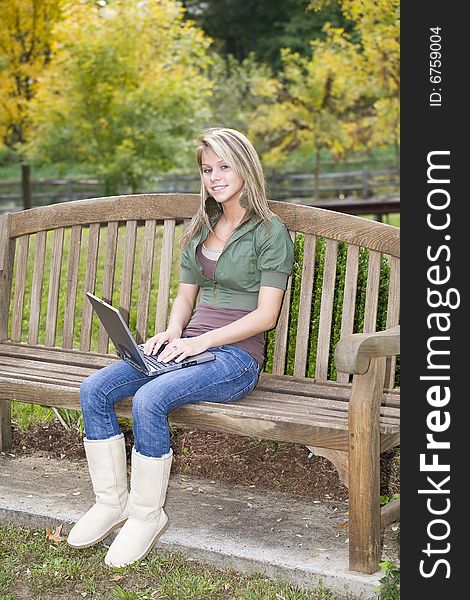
(393, 314)
(166, 261)
(305, 305)
(372, 292)
(36, 288)
(72, 286)
(128, 270)
(108, 278)
(282, 329)
(20, 287)
(148, 252)
(327, 298)
(54, 283)
(349, 299)
(346, 268)
(90, 281)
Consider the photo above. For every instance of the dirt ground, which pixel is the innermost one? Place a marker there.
(217, 456)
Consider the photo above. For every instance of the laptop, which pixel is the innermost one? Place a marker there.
(128, 349)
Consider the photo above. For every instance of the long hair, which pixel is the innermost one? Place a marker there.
(238, 152)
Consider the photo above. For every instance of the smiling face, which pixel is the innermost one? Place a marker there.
(219, 178)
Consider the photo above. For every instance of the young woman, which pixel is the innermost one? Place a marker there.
(239, 255)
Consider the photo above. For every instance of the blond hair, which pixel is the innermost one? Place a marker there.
(238, 152)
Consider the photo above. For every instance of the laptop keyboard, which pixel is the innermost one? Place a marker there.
(155, 362)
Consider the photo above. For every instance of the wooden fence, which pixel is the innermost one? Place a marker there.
(337, 190)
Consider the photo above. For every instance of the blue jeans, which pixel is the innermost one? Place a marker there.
(231, 376)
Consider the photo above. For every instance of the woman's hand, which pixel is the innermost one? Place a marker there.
(155, 343)
(181, 348)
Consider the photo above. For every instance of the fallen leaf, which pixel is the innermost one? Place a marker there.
(54, 537)
(341, 525)
(116, 577)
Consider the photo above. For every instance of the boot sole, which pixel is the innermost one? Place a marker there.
(97, 540)
(150, 546)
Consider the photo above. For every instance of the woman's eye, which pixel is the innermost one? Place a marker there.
(206, 170)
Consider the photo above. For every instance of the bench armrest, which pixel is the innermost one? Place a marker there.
(353, 352)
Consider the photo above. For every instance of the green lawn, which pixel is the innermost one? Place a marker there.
(34, 567)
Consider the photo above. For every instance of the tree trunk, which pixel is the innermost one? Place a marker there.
(26, 185)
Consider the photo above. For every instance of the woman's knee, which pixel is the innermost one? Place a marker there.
(90, 392)
(146, 407)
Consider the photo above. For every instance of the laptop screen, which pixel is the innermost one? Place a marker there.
(118, 331)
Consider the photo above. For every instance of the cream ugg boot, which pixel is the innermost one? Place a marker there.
(108, 472)
(147, 519)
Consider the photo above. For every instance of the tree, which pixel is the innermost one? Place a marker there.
(126, 92)
(25, 49)
(262, 27)
(377, 28)
(343, 97)
(233, 100)
(318, 103)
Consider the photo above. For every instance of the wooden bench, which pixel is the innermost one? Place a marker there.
(336, 398)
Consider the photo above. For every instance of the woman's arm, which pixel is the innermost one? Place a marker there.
(263, 318)
(181, 312)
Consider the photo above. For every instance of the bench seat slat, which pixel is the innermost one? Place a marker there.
(316, 410)
(308, 407)
(312, 403)
(268, 382)
(59, 379)
(257, 405)
(28, 365)
(220, 417)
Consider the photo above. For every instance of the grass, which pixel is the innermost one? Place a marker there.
(35, 567)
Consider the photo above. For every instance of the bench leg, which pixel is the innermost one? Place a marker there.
(364, 468)
(5, 425)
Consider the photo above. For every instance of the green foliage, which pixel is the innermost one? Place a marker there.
(387, 499)
(263, 27)
(125, 93)
(233, 102)
(389, 588)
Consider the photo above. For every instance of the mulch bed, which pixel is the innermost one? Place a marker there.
(218, 456)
